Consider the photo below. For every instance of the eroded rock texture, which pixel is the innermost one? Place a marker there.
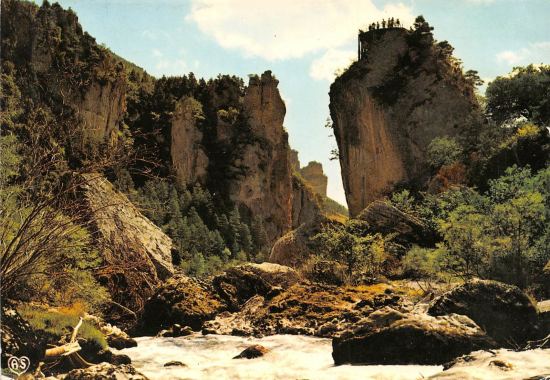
(388, 107)
(132, 247)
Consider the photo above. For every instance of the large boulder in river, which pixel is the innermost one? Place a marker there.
(181, 300)
(238, 284)
(136, 254)
(503, 311)
(388, 336)
(386, 219)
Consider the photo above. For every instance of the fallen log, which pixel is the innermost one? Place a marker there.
(69, 350)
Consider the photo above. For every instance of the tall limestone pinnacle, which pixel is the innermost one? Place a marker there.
(388, 106)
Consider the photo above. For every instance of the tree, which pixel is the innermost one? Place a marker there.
(525, 92)
(443, 151)
(473, 77)
(468, 244)
(351, 246)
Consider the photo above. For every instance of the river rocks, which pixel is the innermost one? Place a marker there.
(314, 176)
(112, 358)
(252, 352)
(498, 365)
(386, 219)
(175, 363)
(388, 336)
(104, 371)
(239, 323)
(175, 331)
(503, 311)
(238, 284)
(180, 300)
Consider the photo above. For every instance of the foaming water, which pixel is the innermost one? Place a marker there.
(290, 357)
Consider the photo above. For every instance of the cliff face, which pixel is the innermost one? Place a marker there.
(243, 146)
(266, 189)
(132, 247)
(61, 67)
(388, 107)
(313, 174)
(189, 160)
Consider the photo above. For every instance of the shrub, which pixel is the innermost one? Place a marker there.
(60, 322)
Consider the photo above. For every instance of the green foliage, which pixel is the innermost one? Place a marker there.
(60, 323)
(526, 92)
(351, 245)
(443, 151)
(207, 238)
(502, 234)
(422, 263)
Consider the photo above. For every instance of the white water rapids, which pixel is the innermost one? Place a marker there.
(290, 357)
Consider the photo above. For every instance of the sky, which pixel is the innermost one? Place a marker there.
(304, 42)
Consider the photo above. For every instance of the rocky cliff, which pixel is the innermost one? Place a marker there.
(235, 143)
(313, 174)
(62, 68)
(388, 107)
(137, 255)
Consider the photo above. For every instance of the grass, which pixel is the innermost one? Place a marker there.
(59, 323)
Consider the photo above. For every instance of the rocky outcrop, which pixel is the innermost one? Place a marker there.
(389, 106)
(73, 75)
(388, 336)
(314, 176)
(252, 352)
(294, 248)
(188, 157)
(104, 371)
(306, 205)
(126, 238)
(294, 160)
(238, 284)
(386, 219)
(306, 309)
(503, 311)
(181, 300)
(266, 189)
(498, 365)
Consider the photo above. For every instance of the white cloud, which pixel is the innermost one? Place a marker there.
(537, 52)
(325, 67)
(169, 66)
(284, 29)
(481, 1)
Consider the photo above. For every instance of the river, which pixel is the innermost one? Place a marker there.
(290, 357)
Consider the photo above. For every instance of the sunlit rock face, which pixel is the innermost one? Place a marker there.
(65, 69)
(314, 176)
(388, 107)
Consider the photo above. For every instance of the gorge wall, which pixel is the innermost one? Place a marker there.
(388, 107)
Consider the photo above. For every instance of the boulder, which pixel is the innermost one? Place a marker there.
(385, 218)
(112, 358)
(388, 336)
(175, 331)
(503, 311)
(116, 338)
(180, 300)
(104, 371)
(498, 365)
(238, 284)
(252, 352)
(175, 363)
